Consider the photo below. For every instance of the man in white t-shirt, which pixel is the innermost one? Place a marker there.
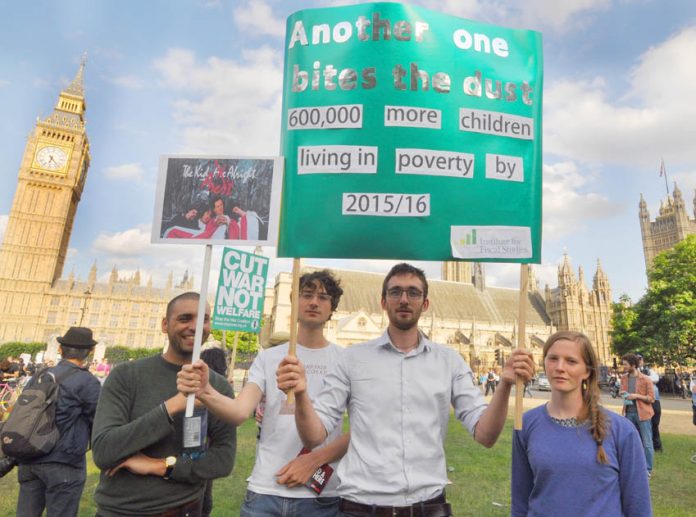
(277, 485)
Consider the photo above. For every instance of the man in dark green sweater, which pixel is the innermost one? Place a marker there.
(137, 435)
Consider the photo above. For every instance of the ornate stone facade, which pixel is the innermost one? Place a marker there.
(671, 226)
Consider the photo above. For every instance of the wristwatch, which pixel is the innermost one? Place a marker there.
(169, 462)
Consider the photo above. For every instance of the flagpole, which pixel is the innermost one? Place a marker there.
(663, 172)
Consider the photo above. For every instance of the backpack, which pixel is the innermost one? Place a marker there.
(30, 431)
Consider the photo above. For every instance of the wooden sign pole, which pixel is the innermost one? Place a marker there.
(288, 406)
(521, 341)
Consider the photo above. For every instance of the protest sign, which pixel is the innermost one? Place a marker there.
(217, 200)
(240, 292)
(410, 134)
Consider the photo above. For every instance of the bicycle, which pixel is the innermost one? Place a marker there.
(8, 396)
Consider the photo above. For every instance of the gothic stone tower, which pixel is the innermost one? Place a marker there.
(51, 179)
(572, 306)
(671, 226)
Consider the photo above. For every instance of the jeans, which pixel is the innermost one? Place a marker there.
(54, 486)
(645, 430)
(262, 505)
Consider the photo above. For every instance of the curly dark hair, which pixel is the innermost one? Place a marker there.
(331, 284)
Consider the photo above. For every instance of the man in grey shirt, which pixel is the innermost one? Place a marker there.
(397, 390)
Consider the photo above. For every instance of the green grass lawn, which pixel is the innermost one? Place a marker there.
(480, 477)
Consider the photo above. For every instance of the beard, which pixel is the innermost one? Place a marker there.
(399, 319)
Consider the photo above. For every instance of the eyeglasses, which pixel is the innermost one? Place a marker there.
(413, 294)
(308, 295)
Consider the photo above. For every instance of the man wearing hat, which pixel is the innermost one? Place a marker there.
(55, 481)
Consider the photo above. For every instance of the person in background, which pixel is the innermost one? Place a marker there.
(657, 407)
(692, 386)
(102, 369)
(572, 457)
(637, 392)
(54, 482)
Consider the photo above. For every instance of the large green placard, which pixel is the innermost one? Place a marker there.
(410, 134)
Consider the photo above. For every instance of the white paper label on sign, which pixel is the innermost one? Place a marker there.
(480, 242)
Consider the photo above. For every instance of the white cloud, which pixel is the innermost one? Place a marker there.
(4, 82)
(131, 242)
(226, 106)
(129, 82)
(508, 275)
(257, 17)
(531, 14)
(131, 250)
(568, 207)
(127, 171)
(583, 123)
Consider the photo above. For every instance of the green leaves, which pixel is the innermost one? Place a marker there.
(662, 325)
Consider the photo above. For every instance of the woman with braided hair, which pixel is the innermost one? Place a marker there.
(572, 456)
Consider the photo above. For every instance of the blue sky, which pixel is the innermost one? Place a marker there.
(205, 77)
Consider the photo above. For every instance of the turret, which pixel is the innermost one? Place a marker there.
(600, 284)
(92, 278)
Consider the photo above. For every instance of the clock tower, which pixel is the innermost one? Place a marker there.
(51, 179)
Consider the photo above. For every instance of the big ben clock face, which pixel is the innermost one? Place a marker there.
(51, 158)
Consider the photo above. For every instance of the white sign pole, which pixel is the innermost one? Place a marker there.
(202, 305)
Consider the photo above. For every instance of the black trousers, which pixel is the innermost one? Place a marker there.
(655, 420)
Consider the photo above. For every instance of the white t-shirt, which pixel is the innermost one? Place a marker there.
(279, 442)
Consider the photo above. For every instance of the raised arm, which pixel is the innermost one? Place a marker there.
(291, 375)
(193, 378)
(493, 418)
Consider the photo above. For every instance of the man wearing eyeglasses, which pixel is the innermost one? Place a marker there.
(397, 390)
(276, 483)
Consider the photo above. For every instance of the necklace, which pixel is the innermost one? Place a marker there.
(566, 422)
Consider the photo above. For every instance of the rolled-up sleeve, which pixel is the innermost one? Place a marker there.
(467, 400)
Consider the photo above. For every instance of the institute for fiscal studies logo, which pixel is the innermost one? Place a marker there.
(481, 242)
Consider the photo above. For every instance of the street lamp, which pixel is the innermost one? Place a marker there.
(87, 294)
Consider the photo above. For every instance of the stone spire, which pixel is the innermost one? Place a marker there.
(532, 283)
(113, 278)
(92, 278)
(77, 87)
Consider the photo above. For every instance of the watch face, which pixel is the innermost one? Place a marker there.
(51, 158)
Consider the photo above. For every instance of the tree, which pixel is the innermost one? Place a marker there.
(624, 338)
(664, 326)
(247, 343)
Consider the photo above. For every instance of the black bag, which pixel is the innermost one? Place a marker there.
(30, 431)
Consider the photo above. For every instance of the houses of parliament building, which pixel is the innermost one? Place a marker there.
(37, 302)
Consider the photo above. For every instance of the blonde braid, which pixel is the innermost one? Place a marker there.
(598, 423)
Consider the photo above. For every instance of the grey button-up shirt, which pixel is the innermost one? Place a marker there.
(399, 407)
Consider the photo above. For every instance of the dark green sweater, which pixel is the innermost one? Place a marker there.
(130, 419)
